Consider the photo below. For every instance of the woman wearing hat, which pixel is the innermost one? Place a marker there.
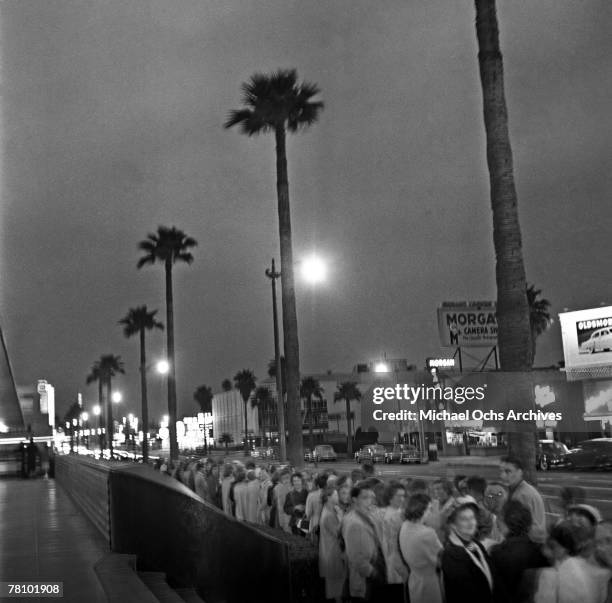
(466, 567)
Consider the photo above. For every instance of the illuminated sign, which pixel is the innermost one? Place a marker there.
(467, 324)
(587, 342)
(440, 362)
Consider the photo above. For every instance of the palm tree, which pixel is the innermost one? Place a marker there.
(136, 322)
(539, 316)
(278, 103)
(106, 368)
(203, 395)
(226, 438)
(263, 401)
(92, 378)
(244, 382)
(226, 385)
(514, 334)
(310, 388)
(168, 246)
(348, 391)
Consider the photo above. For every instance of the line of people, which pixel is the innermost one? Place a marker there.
(409, 541)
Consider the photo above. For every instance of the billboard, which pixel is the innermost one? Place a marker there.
(587, 341)
(467, 324)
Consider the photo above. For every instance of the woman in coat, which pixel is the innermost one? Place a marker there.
(332, 562)
(466, 567)
(420, 548)
(364, 555)
(392, 519)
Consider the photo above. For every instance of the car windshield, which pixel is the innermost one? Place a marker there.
(557, 447)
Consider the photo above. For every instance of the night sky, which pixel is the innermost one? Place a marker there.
(112, 118)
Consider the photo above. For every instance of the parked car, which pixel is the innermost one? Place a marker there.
(410, 454)
(591, 454)
(599, 341)
(551, 455)
(401, 453)
(394, 454)
(375, 453)
(324, 452)
(264, 452)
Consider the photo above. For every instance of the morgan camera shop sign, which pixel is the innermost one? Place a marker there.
(467, 324)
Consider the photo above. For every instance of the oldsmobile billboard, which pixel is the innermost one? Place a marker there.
(587, 339)
(467, 324)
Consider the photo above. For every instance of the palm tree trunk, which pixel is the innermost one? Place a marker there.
(290, 328)
(110, 424)
(102, 417)
(171, 372)
(310, 417)
(349, 435)
(514, 341)
(246, 427)
(143, 393)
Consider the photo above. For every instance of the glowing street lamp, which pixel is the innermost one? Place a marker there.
(314, 270)
(163, 367)
(116, 397)
(381, 367)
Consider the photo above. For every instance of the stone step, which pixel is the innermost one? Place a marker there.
(120, 581)
(156, 582)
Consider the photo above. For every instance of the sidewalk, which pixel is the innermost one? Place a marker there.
(484, 461)
(44, 537)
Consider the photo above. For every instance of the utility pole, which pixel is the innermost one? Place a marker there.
(280, 401)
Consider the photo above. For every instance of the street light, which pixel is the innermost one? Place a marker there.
(116, 397)
(314, 270)
(280, 399)
(162, 367)
(97, 411)
(84, 417)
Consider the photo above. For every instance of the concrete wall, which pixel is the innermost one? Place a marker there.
(171, 529)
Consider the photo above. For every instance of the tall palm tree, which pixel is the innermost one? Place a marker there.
(514, 334)
(244, 382)
(226, 385)
(168, 246)
(106, 368)
(310, 388)
(136, 322)
(92, 378)
(278, 103)
(539, 316)
(348, 391)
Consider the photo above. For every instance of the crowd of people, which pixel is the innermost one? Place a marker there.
(466, 540)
